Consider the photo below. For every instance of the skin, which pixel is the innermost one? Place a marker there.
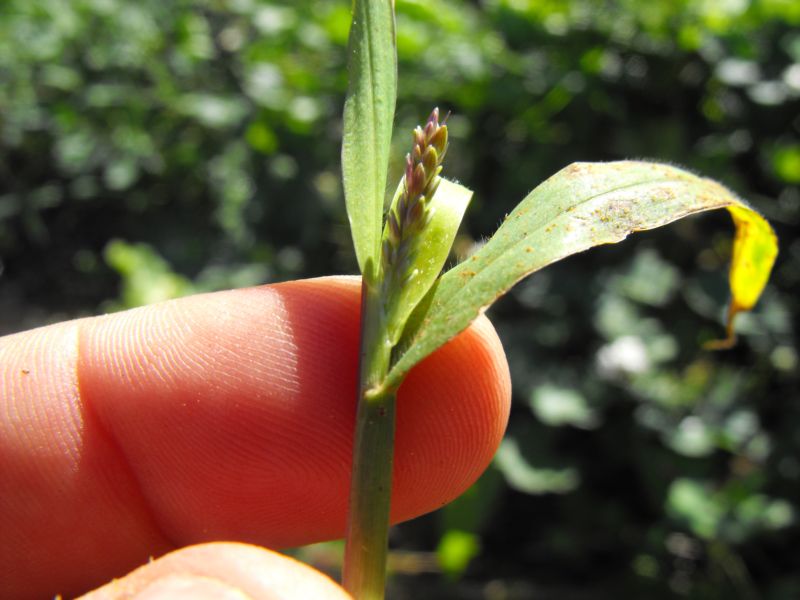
(223, 416)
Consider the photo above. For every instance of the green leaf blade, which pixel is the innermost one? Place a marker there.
(581, 206)
(368, 117)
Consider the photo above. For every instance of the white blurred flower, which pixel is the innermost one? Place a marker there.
(625, 355)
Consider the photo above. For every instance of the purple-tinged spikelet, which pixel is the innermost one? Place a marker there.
(410, 215)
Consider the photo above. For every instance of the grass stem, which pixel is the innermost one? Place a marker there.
(364, 573)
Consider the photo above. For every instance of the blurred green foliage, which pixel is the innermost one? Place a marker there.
(150, 149)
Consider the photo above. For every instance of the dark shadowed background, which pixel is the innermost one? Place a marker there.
(150, 149)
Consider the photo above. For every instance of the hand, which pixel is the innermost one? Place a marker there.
(223, 416)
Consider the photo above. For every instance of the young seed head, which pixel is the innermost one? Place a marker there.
(410, 215)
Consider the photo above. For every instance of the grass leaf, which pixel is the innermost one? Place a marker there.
(581, 206)
(368, 116)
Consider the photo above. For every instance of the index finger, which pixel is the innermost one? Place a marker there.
(225, 416)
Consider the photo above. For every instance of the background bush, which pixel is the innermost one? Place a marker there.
(151, 149)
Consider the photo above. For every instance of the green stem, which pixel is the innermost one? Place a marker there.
(364, 573)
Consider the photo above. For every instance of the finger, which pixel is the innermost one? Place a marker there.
(222, 416)
(222, 571)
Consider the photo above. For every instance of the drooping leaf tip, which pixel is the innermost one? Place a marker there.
(730, 339)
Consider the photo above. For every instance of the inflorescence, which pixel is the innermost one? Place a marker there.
(411, 214)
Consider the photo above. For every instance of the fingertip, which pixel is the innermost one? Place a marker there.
(222, 571)
(452, 412)
(236, 411)
(230, 416)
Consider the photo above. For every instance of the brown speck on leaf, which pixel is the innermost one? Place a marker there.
(26, 371)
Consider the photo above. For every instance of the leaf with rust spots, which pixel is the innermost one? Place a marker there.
(582, 206)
